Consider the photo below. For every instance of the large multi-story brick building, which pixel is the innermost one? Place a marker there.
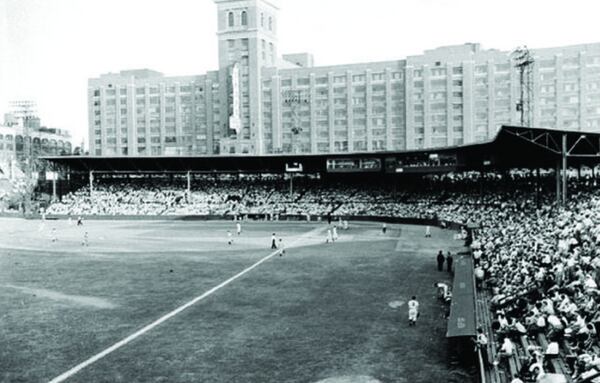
(259, 103)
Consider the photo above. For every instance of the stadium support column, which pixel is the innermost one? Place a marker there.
(557, 175)
(481, 181)
(537, 187)
(189, 186)
(91, 184)
(54, 186)
(564, 169)
(291, 185)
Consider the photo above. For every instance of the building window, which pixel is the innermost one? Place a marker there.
(244, 18)
(504, 67)
(378, 76)
(231, 20)
(270, 23)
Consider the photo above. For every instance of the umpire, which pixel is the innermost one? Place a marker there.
(440, 261)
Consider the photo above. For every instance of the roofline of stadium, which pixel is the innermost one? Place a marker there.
(512, 147)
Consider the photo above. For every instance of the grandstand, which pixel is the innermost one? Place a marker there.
(526, 203)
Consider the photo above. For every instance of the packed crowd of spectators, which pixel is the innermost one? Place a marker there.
(210, 195)
(542, 267)
(448, 197)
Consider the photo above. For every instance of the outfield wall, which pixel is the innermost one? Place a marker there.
(257, 217)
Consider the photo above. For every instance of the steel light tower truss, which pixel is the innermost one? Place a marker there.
(294, 99)
(524, 61)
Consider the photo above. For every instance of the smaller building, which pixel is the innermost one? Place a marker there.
(23, 139)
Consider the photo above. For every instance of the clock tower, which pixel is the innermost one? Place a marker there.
(247, 32)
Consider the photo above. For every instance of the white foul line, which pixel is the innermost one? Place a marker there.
(66, 375)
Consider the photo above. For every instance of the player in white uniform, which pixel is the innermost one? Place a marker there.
(229, 238)
(427, 231)
(85, 241)
(413, 311)
(444, 292)
(345, 225)
(281, 248)
(335, 234)
(329, 237)
(239, 228)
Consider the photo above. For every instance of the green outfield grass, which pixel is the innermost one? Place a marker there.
(320, 312)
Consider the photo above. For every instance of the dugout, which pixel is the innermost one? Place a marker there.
(462, 324)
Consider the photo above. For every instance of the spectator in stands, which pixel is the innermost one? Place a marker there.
(506, 350)
(481, 345)
(479, 276)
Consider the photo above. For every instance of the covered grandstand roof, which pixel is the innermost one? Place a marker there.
(513, 147)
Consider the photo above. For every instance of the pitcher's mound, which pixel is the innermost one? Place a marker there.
(350, 379)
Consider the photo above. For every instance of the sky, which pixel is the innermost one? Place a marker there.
(49, 48)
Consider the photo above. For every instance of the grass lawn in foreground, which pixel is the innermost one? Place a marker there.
(321, 311)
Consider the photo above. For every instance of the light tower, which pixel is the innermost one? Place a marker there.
(24, 112)
(523, 61)
(295, 98)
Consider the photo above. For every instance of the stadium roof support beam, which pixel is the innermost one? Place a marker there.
(543, 139)
(590, 149)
